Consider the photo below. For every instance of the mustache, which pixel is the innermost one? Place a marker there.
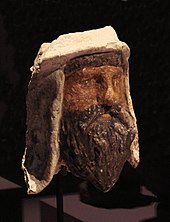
(88, 117)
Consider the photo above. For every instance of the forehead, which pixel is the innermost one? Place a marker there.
(113, 58)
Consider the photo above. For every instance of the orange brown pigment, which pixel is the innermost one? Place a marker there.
(104, 85)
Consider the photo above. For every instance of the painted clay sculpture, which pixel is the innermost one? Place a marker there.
(79, 111)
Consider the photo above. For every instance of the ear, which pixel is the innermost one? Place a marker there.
(44, 109)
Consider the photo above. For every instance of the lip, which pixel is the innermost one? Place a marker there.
(105, 116)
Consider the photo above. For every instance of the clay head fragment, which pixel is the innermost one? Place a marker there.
(79, 111)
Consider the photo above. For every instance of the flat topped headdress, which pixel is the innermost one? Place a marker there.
(42, 158)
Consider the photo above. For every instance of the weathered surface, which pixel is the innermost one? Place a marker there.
(44, 104)
(54, 55)
(89, 52)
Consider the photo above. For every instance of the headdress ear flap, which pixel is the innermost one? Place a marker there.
(44, 110)
(134, 152)
(134, 147)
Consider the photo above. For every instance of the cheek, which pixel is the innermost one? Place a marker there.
(120, 91)
(79, 96)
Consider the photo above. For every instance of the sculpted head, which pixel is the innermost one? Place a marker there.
(79, 111)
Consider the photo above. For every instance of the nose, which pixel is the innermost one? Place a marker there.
(109, 95)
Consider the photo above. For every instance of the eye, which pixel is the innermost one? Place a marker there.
(99, 80)
(100, 83)
(85, 81)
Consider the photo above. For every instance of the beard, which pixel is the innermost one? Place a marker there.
(95, 143)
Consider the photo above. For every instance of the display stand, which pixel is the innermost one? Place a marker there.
(59, 198)
(59, 194)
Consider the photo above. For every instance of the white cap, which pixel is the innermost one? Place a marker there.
(54, 55)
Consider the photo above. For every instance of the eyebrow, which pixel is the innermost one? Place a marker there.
(113, 58)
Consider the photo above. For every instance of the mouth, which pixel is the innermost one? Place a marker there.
(107, 113)
(104, 117)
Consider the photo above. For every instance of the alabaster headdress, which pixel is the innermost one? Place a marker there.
(41, 160)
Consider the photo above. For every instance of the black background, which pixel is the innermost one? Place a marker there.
(143, 25)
